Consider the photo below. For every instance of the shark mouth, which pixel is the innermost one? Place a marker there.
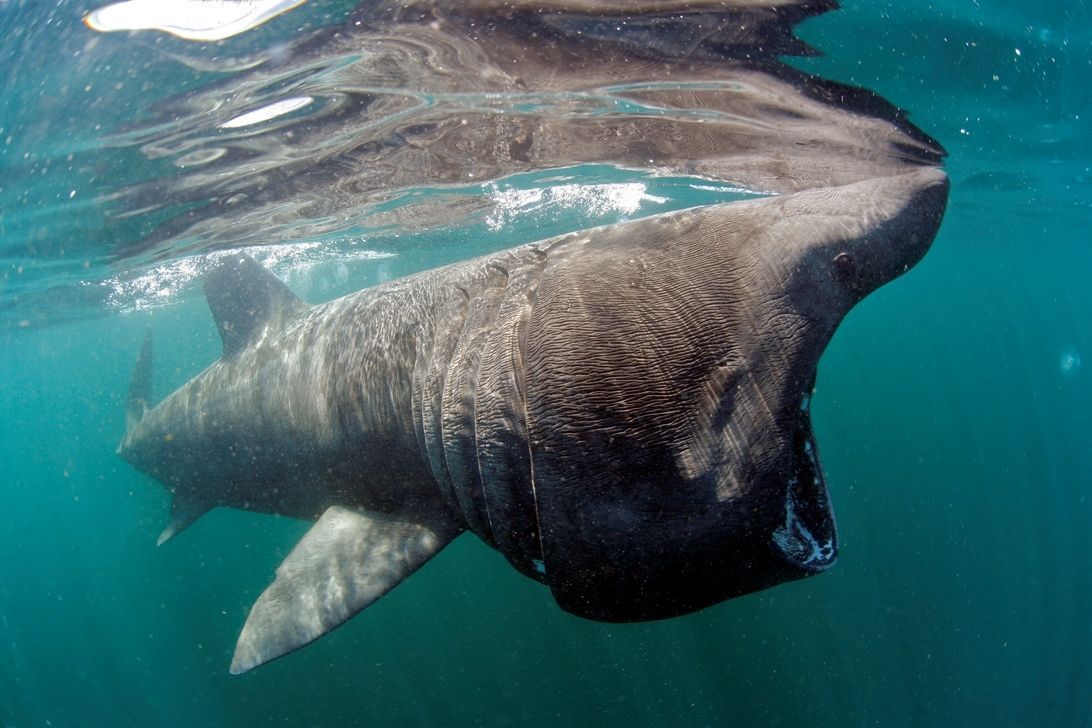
(807, 537)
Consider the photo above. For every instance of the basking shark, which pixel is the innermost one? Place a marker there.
(622, 412)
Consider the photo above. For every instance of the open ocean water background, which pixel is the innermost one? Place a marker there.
(952, 411)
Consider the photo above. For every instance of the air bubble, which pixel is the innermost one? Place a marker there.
(1069, 362)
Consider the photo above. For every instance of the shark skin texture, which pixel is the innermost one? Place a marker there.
(622, 412)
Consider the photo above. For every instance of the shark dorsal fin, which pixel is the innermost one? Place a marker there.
(140, 388)
(246, 299)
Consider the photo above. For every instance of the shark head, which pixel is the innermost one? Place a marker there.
(673, 455)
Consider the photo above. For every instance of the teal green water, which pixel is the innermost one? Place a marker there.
(952, 412)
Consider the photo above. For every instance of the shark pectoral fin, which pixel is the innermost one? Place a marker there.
(245, 299)
(183, 514)
(344, 563)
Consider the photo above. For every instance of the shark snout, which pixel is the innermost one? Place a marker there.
(896, 244)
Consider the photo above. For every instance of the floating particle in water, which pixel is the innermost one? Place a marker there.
(1069, 362)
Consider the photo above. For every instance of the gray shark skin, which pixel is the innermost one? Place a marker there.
(622, 411)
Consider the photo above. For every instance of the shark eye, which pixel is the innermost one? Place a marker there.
(846, 266)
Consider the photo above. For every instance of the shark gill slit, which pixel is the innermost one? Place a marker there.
(432, 386)
(458, 401)
(500, 420)
(532, 297)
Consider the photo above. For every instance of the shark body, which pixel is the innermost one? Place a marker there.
(622, 412)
